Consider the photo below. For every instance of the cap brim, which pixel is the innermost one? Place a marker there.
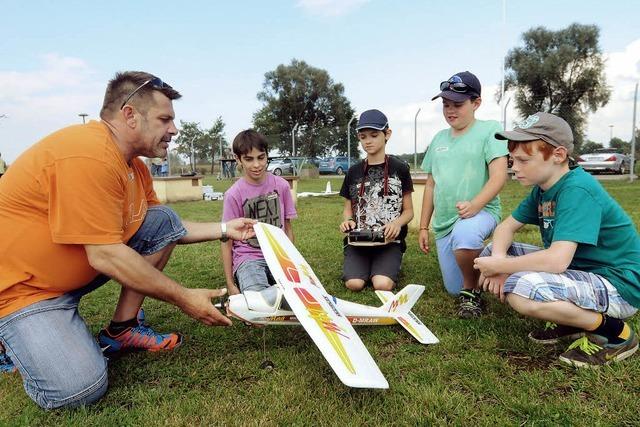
(375, 126)
(516, 135)
(453, 96)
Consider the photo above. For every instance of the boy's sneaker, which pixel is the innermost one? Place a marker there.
(138, 338)
(6, 364)
(470, 305)
(592, 351)
(552, 333)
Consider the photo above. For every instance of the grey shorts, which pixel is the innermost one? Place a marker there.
(363, 262)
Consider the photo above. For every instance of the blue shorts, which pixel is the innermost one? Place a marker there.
(469, 233)
(60, 361)
(586, 290)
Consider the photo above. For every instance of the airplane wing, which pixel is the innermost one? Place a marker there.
(329, 329)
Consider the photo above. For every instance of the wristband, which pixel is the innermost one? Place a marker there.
(223, 232)
(424, 228)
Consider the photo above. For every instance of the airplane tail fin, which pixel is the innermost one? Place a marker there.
(403, 301)
(399, 306)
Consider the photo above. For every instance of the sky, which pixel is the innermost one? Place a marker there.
(57, 56)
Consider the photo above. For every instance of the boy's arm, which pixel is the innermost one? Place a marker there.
(426, 213)
(556, 259)
(226, 249)
(497, 179)
(347, 217)
(288, 229)
(503, 236)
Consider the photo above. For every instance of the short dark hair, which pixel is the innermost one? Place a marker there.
(248, 139)
(123, 84)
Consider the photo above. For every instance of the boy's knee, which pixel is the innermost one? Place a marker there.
(466, 238)
(382, 283)
(74, 393)
(522, 305)
(355, 284)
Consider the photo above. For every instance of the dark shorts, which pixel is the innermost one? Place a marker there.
(362, 262)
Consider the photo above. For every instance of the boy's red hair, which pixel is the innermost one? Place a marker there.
(544, 147)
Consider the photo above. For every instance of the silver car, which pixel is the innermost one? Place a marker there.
(605, 160)
(280, 166)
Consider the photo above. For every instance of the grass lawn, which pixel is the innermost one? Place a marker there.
(483, 372)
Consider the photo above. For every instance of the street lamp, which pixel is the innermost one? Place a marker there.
(610, 134)
(83, 115)
(633, 137)
(415, 140)
(293, 139)
(349, 141)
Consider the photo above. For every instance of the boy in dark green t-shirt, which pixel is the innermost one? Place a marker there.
(587, 277)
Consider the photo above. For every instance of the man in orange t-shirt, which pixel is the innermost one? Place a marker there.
(77, 209)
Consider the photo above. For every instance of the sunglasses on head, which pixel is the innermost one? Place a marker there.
(155, 83)
(456, 84)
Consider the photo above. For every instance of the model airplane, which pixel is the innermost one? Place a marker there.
(327, 320)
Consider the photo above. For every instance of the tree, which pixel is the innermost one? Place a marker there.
(560, 72)
(206, 143)
(301, 94)
(587, 147)
(620, 145)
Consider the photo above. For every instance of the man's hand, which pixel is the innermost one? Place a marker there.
(494, 284)
(423, 241)
(196, 303)
(347, 226)
(467, 209)
(488, 265)
(391, 230)
(241, 228)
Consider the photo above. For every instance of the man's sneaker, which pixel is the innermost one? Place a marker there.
(138, 338)
(552, 333)
(6, 364)
(592, 351)
(470, 305)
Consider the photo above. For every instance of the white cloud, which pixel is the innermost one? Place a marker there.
(41, 101)
(330, 8)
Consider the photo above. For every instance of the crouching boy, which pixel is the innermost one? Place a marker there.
(586, 280)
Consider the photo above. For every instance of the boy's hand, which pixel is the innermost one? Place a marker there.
(494, 284)
(391, 230)
(232, 289)
(423, 241)
(241, 228)
(487, 265)
(467, 209)
(347, 225)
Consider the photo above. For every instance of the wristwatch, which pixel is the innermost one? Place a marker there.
(223, 231)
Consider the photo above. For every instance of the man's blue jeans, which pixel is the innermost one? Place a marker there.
(60, 361)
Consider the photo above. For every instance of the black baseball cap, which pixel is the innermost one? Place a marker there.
(460, 87)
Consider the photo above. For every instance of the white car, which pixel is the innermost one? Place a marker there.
(605, 160)
(280, 166)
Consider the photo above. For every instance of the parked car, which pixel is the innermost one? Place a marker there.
(335, 165)
(280, 166)
(605, 160)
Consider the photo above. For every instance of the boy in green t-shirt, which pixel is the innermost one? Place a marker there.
(467, 168)
(587, 277)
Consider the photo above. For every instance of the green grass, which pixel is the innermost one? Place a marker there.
(483, 372)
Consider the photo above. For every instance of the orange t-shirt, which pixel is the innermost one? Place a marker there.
(70, 189)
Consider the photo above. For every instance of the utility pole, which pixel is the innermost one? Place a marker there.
(415, 140)
(504, 114)
(349, 141)
(293, 139)
(83, 115)
(610, 134)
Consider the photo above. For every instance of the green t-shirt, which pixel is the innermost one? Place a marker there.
(460, 168)
(577, 209)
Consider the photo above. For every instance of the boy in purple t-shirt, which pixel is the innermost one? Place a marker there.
(258, 195)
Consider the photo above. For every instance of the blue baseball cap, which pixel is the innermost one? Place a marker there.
(460, 87)
(372, 119)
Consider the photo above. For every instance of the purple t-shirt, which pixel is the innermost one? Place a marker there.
(268, 202)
